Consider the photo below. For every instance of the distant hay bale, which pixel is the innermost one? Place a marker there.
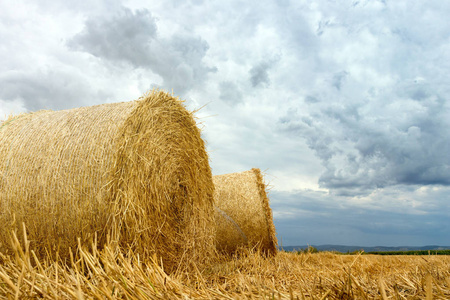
(242, 197)
(135, 173)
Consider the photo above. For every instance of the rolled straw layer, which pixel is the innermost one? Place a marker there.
(135, 173)
(242, 198)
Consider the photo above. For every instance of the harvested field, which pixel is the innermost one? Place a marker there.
(93, 274)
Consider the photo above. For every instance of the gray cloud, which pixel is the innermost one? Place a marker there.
(50, 89)
(403, 143)
(383, 120)
(125, 36)
(132, 37)
(338, 79)
(230, 92)
(311, 99)
(259, 74)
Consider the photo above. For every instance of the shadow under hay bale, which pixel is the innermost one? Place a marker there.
(135, 173)
(242, 198)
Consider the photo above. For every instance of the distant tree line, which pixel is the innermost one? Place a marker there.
(311, 249)
(412, 252)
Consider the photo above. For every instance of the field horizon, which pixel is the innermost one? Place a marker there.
(347, 248)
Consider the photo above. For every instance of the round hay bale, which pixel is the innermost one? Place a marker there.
(133, 173)
(243, 198)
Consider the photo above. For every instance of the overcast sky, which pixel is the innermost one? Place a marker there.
(344, 104)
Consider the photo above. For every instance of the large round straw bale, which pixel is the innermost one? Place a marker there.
(243, 198)
(134, 173)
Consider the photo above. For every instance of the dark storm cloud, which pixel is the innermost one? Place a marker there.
(133, 38)
(405, 142)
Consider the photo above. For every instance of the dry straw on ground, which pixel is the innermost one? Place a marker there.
(107, 274)
(134, 173)
(242, 197)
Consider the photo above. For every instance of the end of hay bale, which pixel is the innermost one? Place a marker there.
(242, 196)
(271, 243)
(162, 183)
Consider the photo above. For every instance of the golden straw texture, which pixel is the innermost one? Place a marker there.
(228, 233)
(242, 197)
(134, 173)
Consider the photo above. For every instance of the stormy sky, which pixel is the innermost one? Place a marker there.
(344, 104)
